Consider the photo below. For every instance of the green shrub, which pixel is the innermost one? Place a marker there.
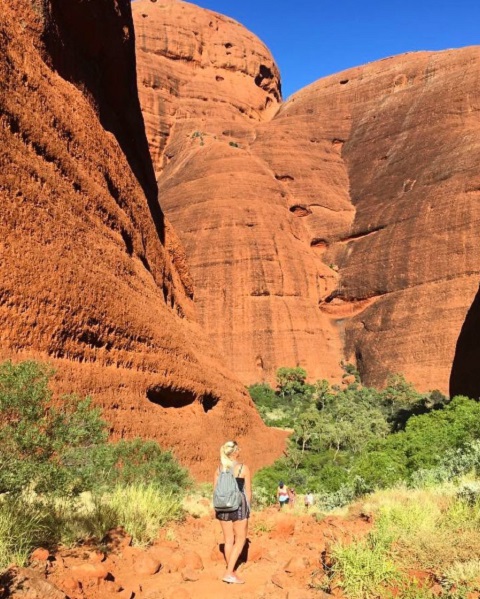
(133, 462)
(140, 508)
(426, 530)
(291, 380)
(38, 439)
(262, 497)
(73, 520)
(366, 569)
(63, 449)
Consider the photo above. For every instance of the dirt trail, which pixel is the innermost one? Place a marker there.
(283, 560)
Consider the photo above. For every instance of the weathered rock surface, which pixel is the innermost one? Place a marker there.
(340, 224)
(409, 263)
(273, 567)
(206, 85)
(93, 277)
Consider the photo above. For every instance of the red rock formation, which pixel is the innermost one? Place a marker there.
(338, 225)
(409, 263)
(93, 278)
(206, 85)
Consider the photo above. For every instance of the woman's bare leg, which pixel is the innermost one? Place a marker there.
(240, 530)
(228, 539)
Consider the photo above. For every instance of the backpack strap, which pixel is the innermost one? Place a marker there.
(240, 471)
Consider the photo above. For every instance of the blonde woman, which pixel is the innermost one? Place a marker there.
(234, 524)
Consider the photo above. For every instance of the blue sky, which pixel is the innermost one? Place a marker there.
(310, 39)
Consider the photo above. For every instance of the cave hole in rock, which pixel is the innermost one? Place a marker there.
(400, 80)
(344, 81)
(228, 45)
(12, 122)
(300, 210)
(171, 397)
(335, 295)
(465, 373)
(284, 178)
(145, 262)
(112, 188)
(318, 242)
(263, 73)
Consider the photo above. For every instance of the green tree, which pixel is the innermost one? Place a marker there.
(307, 429)
(36, 438)
(291, 380)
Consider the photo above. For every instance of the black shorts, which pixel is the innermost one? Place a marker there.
(242, 513)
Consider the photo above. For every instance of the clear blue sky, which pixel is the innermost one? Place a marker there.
(310, 39)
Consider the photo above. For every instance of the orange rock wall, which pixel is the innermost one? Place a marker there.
(206, 86)
(409, 263)
(337, 225)
(93, 278)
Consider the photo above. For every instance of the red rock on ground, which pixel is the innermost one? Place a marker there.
(93, 277)
(291, 563)
(340, 224)
(39, 555)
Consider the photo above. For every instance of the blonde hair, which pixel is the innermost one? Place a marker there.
(226, 450)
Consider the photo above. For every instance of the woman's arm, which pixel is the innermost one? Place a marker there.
(248, 483)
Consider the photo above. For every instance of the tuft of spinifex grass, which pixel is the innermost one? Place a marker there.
(365, 568)
(143, 509)
(23, 527)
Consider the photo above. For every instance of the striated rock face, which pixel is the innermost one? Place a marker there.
(206, 87)
(410, 262)
(93, 278)
(338, 225)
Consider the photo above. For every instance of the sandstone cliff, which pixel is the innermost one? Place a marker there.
(206, 86)
(337, 225)
(93, 278)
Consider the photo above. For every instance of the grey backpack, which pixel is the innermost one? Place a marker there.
(226, 495)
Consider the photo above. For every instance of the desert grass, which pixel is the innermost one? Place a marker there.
(23, 526)
(140, 509)
(430, 529)
(143, 509)
(29, 521)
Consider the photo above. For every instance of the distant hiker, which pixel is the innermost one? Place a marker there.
(231, 500)
(309, 500)
(282, 494)
(292, 496)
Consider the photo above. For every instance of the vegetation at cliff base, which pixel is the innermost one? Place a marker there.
(59, 478)
(351, 439)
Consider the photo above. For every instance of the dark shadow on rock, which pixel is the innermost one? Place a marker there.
(243, 558)
(465, 374)
(92, 45)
